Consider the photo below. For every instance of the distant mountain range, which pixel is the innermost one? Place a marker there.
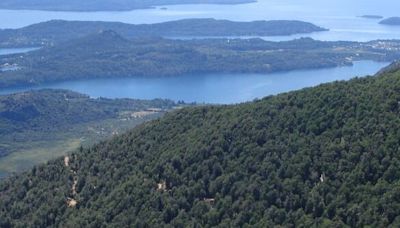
(319, 157)
(51, 32)
(103, 5)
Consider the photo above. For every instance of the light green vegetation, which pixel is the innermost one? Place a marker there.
(36, 153)
(43, 125)
(24, 155)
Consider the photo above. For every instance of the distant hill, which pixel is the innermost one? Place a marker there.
(39, 123)
(103, 5)
(106, 54)
(56, 31)
(320, 157)
(372, 16)
(393, 67)
(391, 21)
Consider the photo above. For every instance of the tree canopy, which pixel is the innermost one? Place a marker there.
(326, 156)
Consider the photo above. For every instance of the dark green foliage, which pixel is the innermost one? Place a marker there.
(106, 55)
(56, 31)
(41, 109)
(321, 157)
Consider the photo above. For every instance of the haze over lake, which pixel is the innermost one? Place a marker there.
(339, 16)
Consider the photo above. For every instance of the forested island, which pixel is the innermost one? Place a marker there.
(107, 54)
(39, 125)
(319, 157)
(368, 16)
(391, 21)
(57, 31)
(102, 5)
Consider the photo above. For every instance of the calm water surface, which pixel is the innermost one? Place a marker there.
(225, 89)
(340, 16)
(8, 51)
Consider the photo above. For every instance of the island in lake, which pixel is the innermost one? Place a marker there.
(106, 54)
(371, 16)
(103, 5)
(391, 21)
(56, 31)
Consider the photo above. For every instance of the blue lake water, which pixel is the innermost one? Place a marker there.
(223, 89)
(340, 16)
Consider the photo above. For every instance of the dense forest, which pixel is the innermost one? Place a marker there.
(103, 5)
(57, 31)
(38, 110)
(319, 157)
(47, 123)
(107, 54)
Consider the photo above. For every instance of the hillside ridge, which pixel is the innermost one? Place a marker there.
(322, 156)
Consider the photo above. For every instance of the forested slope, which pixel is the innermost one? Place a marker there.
(36, 126)
(324, 156)
(49, 109)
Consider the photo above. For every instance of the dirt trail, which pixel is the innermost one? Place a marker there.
(71, 202)
(74, 186)
(66, 161)
(162, 186)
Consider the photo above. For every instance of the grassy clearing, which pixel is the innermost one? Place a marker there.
(25, 159)
(48, 146)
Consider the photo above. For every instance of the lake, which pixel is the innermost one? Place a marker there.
(9, 51)
(340, 16)
(212, 88)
